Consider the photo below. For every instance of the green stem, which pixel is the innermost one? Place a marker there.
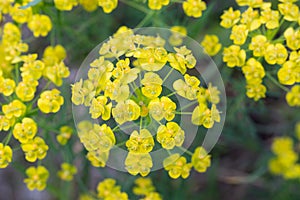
(276, 82)
(169, 73)
(146, 19)
(171, 94)
(7, 139)
(183, 113)
(188, 105)
(135, 5)
(185, 151)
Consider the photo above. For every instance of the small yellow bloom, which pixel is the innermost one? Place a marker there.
(289, 10)
(108, 5)
(108, 189)
(270, 18)
(188, 88)
(157, 4)
(25, 91)
(7, 86)
(276, 54)
(65, 4)
(65, 133)
(289, 73)
(14, 109)
(178, 34)
(126, 111)
(6, 155)
(211, 44)
(162, 108)
(230, 18)
(140, 143)
(234, 56)
(6, 123)
(117, 91)
(37, 178)
(293, 96)
(258, 45)
(26, 130)
(150, 59)
(152, 85)
(182, 59)
(89, 5)
(99, 107)
(143, 186)
(202, 115)
(292, 38)
(251, 3)
(177, 166)
(194, 8)
(53, 55)
(201, 160)
(251, 19)
(98, 158)
(256, 91)
(138, 163)
(56, 73)
(170, 135)
(253, 71)
(239, 34)
(67, 172)
(40, 25)
(34, 149)
(5, 6)
(50, 101)
(20, 15)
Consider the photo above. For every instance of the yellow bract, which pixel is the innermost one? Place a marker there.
(170, 135)
(65, 4)
(157, 4)
(152, 85)
(50, 101)
(65, 133)
(177, 166)
(211, 44)
(40, 25)
(34, 149)
(182, 59)
(140, 142)
(230, 18)
(126, 111)
(99, 107)
(162, 108)
(14, 109)
(26, 130)
(108, 189)
(293, 96)
(201, 160)
(234, 56)
(138, 163)
(189, 88)
(108, 5)
(202, 115)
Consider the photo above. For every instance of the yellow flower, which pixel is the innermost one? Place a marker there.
(152, 85)
(56, 73)
(281, 145)
(157, 4)
(289, 73)
(53, 55)
(143, 186)
(251, 19)
(83, 92)
(293, 96)
(138, 163)
(178, 33)
(202, 115)
(150, 58)
(108, 5)
(256, 91)
(182, 59)
(152, 196)
(211, 44)
(98, 158)
(34, 149)
(67, 172)
(7, 86)
(124, 73)
(65, 4)
(140, 143)
(230, 18)
(201, 160)
(293, 172)
(234, 56)
(177, 166)
(292, 38)
(270, 18)
(188, 88)
(126, 111)
(258, 45)
(162, 108)
(32, 67)
(25, 91)
(253, 71)
(6, 155)
(20, 15)
(37, 178)
(50, 101)
(289, 10)
(239, 34)
(212, 94)
(6, 123)
(117, 91)
(170, 135)
(297, 130)
(108, 189)
(89, 5)
(276, 54)
(26, 130)
(40, 25)
(5, 6)
(94, 136)
(65, 133)
(251, 3)
(11, 33)
(14, 109)
(99, 107)
(194, 8)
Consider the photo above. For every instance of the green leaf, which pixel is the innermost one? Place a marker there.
(30, 4)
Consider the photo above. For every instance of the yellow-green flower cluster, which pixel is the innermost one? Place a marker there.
(67, 172)
(285, 162)
(258, 30)
(111, 94)
(192, 8)
(20, 75)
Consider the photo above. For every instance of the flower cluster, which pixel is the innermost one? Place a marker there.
(286, 156)
(144, 187)
(22, 75)
(192, 8)
(123, 86)
(260, 39)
